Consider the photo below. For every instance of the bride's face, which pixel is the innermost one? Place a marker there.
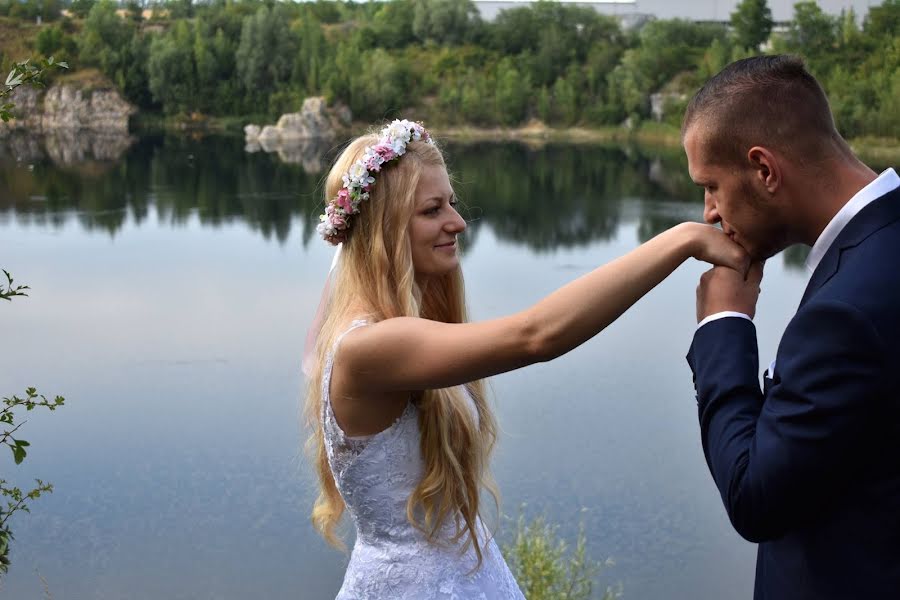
(435, 224)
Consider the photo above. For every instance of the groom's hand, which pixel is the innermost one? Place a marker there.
(723, 289)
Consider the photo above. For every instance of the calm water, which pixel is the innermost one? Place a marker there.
(172, 283)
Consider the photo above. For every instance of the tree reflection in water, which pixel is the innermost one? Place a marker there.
(546, 197)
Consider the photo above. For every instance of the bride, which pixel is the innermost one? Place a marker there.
(402, 430)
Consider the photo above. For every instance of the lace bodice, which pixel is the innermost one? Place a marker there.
(392, 559)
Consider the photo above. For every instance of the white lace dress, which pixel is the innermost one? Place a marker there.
(391, 559)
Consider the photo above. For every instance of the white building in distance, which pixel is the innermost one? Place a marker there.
(636, 11)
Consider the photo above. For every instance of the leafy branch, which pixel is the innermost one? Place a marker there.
(31, 401)
(7, 291)
(24, 73)
(16, 499)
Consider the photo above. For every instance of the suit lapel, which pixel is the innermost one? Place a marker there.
(878, 214)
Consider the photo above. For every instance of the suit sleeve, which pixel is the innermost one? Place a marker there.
(781, 457)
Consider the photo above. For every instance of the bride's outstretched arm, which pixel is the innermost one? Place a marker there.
(414, 354)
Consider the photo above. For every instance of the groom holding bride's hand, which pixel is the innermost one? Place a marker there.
(808, 466)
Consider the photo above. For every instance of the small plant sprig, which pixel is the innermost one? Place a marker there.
(31, 401)
(25, 73)
(16, 502)
(16, 498)
(7, 291)
(547, 569)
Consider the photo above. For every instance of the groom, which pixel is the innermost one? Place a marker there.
(809, 466)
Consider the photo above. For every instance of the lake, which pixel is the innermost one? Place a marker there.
(172, 282)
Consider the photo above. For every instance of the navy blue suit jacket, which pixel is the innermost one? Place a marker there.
(809, 466)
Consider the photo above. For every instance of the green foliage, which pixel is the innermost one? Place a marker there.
(15, 499)
(105, 41)
(8, 291)
(546, 569)
(24, 73)
(444, 21)
(170, 69)
(81, 8)
(512, 95)
(30, 10)
(563, 63)
(752, 23)
(812, 32)
(265, 55)
(883, 21)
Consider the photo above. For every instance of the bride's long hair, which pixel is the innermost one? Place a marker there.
(377, 272)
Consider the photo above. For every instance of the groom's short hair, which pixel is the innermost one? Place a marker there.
(770, 101)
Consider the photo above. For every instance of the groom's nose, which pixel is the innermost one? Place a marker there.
(710, 211)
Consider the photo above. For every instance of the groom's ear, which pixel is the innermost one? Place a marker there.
(767, 171)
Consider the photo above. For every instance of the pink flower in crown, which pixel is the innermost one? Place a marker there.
(385, 151)
(374, 163)
(338, 221)
(343, 200)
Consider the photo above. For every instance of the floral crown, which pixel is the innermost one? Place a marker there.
(358, 181)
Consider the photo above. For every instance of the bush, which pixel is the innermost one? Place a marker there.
(546, 569)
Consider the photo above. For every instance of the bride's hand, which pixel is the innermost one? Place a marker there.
(710, 244)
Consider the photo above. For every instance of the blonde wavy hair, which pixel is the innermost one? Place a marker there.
(377, 273)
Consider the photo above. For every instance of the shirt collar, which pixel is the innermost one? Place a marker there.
(884, 183)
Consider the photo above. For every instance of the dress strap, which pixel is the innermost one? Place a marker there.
(355, 324)
(340, 448)
(329, 366)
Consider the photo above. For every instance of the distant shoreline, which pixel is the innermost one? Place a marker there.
(881, 151)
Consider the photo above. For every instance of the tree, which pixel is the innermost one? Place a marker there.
(170, 68)
(565, 102)
(512, 93)
(265, 55)
(883, 21)
(812, 33)
(752, 23)
(105, 40)
(445, 21)
(81, 8)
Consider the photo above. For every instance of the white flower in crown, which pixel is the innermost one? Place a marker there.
(399, 130)
(359, 175)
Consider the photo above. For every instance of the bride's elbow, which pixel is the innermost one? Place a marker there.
(538, 342)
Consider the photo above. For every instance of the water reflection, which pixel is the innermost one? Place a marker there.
(308, 153)
(65, 148)
(546, 198)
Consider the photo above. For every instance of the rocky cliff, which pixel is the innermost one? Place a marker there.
(302, 137)
(70, 108)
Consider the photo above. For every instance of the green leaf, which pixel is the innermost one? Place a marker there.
(13, 79)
